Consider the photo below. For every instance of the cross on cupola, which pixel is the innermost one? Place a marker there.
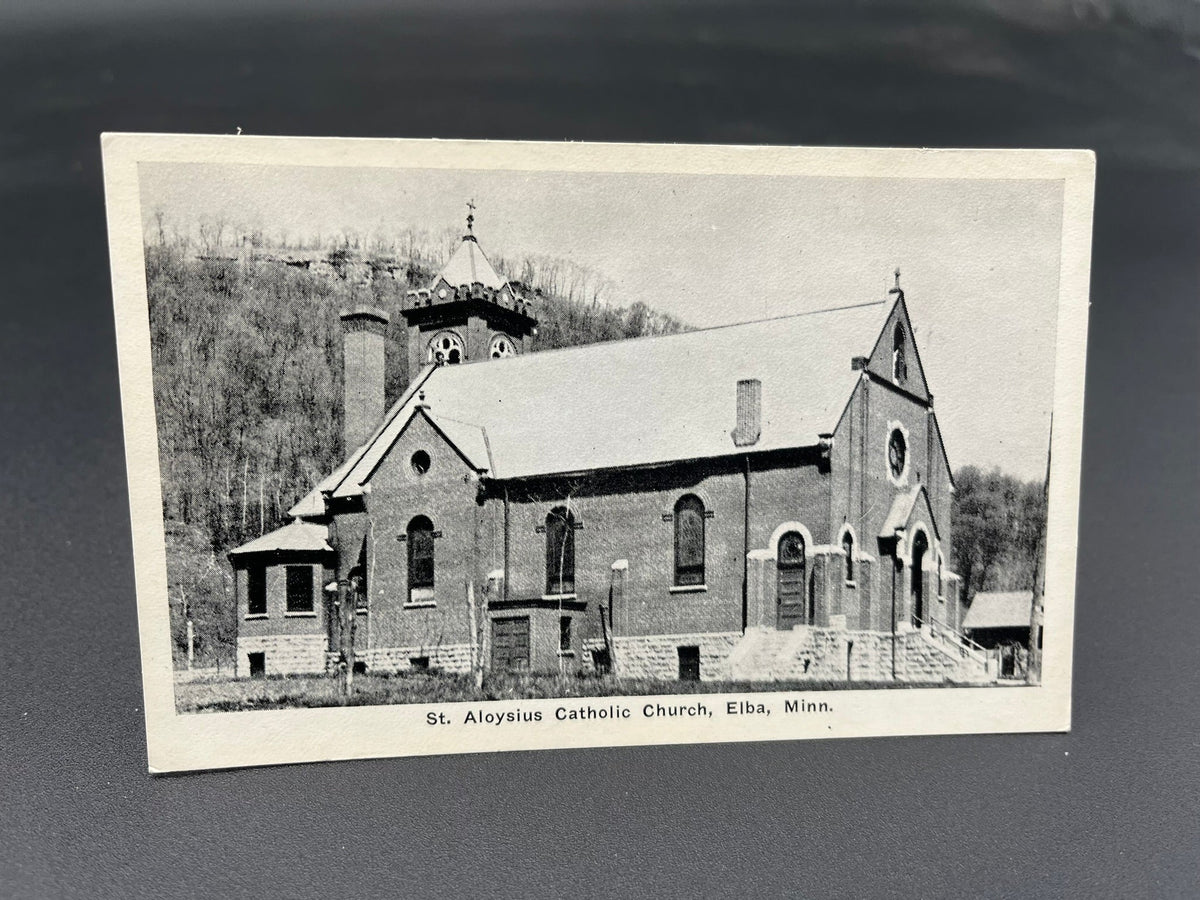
(468, 312)
(897, 290)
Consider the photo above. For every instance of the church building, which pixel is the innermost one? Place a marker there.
(763, 501)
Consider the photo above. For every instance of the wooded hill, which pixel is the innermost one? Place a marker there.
(247, 382)
(247, 365)
(998, 521)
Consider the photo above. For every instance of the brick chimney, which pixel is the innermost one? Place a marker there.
(363, 376)
(749, 412)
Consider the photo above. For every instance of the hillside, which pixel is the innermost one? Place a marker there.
(246, 350)
(247, 379)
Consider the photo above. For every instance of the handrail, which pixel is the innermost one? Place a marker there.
(960, 641)
(958, 634)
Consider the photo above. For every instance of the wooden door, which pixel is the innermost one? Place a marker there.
(510, 643)
(917, 579)
(792, 581)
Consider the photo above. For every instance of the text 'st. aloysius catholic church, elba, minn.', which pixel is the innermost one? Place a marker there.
(764, 501)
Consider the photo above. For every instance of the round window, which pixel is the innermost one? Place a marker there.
(897, 453)
(420, 462)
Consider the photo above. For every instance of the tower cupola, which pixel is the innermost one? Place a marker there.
(468, 313)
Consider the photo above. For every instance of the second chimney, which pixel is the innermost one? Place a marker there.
(363, 374)
(749, 412)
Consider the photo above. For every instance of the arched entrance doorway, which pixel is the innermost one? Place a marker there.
(920, 549)
(792, 581)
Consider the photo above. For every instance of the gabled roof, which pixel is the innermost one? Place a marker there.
(902, 510)
(467, 439)
(999, 609)
(297, 536)
(312, 505)
(640, 402)
(881, 356)
(468, 265)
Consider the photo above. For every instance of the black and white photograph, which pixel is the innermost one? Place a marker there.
(601, 444)
(605, 449)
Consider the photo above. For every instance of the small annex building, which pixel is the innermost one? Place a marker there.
(768, 500)
(999, 617)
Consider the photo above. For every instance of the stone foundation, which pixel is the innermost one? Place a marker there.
(284, 654)
(453, 658)
(828, 654)
(656, 657)
(805, 653)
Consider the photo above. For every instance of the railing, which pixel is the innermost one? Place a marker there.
(956, 640)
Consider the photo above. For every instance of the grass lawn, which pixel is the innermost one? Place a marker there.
(372, 689)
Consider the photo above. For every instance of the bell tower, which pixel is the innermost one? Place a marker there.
(468, 313)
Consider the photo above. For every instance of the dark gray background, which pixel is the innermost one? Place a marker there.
(1108, 810)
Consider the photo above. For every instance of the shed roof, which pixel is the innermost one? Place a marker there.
(296, 536)
(999, 609)
(643, 401)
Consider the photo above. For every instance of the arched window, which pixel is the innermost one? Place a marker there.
(420, 559)
(848, 549)
(689, 541)
(899, 364)
(446, 349)
(502, 345)
(560, 551)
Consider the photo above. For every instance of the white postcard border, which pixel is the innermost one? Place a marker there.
(206, 741)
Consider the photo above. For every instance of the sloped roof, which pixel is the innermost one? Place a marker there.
(644, 401)
(302, 536)
(312, 504)
(902, 509)
(469, 265)
(999, 609)
(468, 438)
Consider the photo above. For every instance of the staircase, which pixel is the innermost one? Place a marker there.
(764, 654)
(966, 660)
(932, 654)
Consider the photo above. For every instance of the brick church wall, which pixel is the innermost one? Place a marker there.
(446, 494)
(292, 641)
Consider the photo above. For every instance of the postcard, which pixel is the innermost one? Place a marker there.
(455, 447)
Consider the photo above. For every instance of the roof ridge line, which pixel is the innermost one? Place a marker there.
(676, 334)
(432, 413)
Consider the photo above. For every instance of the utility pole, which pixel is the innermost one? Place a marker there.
(186, 611)
(344, 603)
(1033, 667)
